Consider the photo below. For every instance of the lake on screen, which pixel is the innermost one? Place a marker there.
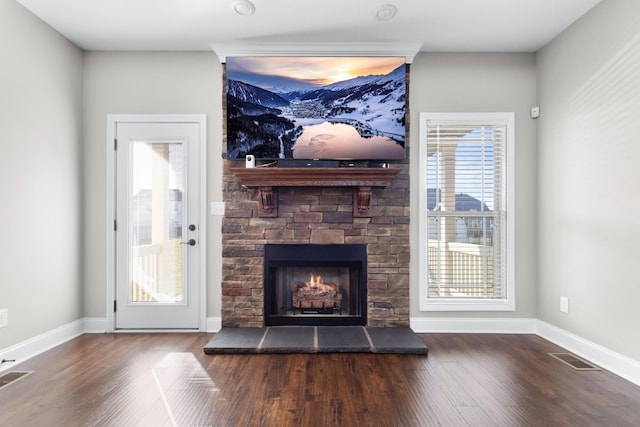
(341, 141)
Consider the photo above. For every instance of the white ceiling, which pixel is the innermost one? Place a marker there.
(436, 25)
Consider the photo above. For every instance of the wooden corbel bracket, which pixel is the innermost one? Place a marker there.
(362, 202)
(362, 180)
(268, 202)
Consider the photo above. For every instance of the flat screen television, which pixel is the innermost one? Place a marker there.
(321, 108)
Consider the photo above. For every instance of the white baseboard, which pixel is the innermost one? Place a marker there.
(95, 325)
(39, 344)
(32, 347)
(214, 324)
(619, 364)
(473, 325)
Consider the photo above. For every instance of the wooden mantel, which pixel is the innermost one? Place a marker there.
(361, 179)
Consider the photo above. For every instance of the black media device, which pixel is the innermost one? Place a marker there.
(294, 163)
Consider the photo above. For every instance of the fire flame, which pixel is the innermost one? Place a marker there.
(315, 280)
(317, 285)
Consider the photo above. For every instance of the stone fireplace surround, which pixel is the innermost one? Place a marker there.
(315, 215)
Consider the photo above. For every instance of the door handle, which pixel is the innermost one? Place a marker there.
(191, 242)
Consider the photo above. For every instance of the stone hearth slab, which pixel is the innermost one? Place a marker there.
(342, 339)
(236, 340)
(396, 340)
(316, 339)
(289, 339)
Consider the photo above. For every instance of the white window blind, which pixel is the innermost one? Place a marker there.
(466, 211)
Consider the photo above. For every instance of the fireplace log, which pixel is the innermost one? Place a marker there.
(307, 296)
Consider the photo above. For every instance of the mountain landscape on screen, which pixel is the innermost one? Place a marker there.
(316, 108)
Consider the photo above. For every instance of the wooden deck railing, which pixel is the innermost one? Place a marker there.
(465, 269)
(146, 273)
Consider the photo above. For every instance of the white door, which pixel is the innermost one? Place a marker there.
(157, 225)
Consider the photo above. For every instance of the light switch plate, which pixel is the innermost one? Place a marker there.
(217, 208)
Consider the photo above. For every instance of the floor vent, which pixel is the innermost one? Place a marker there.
(11, 377)
(575, 362)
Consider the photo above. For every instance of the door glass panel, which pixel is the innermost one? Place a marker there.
(155, 232)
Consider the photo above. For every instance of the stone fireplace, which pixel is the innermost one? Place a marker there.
(316, 212)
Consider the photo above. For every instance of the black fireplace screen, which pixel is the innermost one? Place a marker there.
(315, 285)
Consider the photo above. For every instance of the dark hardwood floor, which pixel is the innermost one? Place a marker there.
(167, 380)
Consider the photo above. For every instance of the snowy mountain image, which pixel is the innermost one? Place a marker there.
(272, 114)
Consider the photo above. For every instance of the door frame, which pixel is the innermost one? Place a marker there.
(112, 121)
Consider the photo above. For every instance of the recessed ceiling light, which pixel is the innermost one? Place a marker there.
(243, 7)
(386, 12)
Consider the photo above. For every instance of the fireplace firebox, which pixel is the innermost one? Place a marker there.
(315, 285)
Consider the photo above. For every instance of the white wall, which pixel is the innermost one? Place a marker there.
(146, 83)
(40, 176)
(459, 82)
(588, 175)
(189, 82)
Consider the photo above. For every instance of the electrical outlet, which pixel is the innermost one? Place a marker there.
(564, 304)
(4, 317)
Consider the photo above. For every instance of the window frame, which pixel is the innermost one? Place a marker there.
(458, 303)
